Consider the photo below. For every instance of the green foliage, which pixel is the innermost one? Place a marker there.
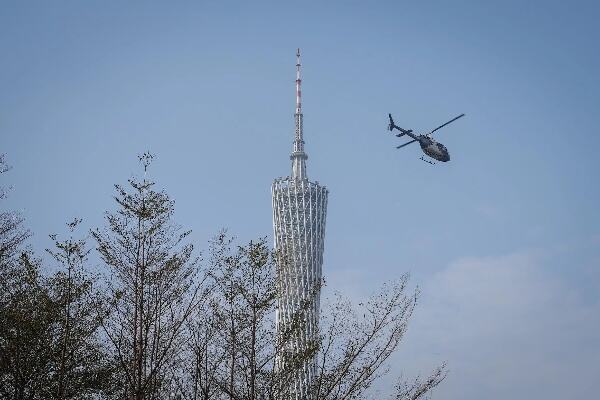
(48, 331)
(27, 334)
(82, 367)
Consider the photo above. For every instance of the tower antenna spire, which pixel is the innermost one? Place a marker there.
(298, 84)
(298, 156)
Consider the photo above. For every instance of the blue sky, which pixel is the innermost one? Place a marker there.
(504, 240)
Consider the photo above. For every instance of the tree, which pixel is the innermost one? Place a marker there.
(355, 344)
(49, 347)
(233, 345)
(241, 311)
(27, 322)
(12, 239)
(153, 290)
(81, 368)
(26, 311)
(235, 348)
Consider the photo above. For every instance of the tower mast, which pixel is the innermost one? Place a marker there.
(298, 83)
(298, 155)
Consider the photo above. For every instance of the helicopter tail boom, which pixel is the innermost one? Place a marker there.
(403, 132)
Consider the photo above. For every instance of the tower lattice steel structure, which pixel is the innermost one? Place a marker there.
(299, 212)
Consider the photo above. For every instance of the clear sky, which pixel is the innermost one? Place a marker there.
(504, 240)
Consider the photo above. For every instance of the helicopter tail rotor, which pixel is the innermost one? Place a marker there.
(391, 124)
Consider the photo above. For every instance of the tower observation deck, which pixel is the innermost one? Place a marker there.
(299, 213)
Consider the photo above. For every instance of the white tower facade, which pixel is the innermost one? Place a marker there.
(299, 214)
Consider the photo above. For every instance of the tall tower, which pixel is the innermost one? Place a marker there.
(299, 211)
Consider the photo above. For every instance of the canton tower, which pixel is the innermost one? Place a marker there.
(299, 211)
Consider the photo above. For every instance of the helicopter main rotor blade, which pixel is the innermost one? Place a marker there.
(406, 144)
(449, 122)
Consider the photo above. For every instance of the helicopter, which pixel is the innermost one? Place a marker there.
(429, 146)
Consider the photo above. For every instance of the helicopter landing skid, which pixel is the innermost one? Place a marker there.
(427, 161)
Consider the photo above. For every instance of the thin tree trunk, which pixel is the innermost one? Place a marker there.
(61, 376)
